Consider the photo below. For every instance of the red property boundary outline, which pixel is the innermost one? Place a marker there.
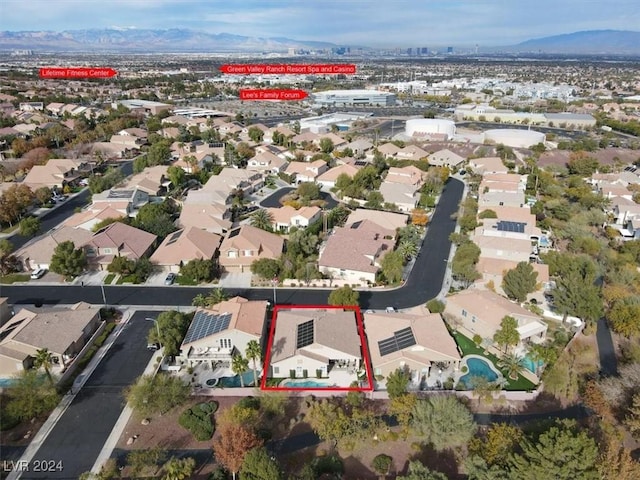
(363, 343)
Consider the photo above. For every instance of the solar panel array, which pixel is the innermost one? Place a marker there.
(120, 193)
(304, 334)
(505, 226)
(205, 324)
(401, 339)
(233, 233)
(174, 237)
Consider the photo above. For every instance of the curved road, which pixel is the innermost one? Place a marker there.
(423, 284)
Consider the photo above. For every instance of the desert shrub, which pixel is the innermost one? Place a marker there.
(208, 407)
(198, 422)
(252, 403)
(331, 464)
(381, 463)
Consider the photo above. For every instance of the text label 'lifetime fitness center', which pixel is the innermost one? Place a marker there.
(289, 69)
(80, 72)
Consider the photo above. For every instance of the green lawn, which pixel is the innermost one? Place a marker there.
(14, 277)
(108, 280)
(468, 347)
(126, 279)
(180, 280)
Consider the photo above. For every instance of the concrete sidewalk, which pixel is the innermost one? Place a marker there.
(57, 413)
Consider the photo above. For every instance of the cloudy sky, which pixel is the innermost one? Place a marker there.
(391, 23)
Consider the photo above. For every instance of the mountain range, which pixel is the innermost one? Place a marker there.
(130, 40)
(144, 40)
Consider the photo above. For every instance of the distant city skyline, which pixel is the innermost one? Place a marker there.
(371, 23)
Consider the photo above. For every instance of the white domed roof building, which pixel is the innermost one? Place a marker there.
(513, 137)
(421, 127)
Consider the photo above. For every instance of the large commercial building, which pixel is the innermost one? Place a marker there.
(350, 98)
(514, 138)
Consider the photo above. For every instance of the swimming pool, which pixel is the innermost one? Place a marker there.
(530, 365)
(304, 384)
(228, 382)
(478, 367)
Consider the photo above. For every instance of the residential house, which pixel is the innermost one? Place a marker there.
(117, 240)
(63, 332)
(359, 147)
(388, 149)
(56, 173)
(89, 218)
(409, 341)
(368, 244)
(493, 270)
(623, 210)
(244, 245)
(268, 134)
(219, 332)
(411, 152)
(328, 179)
(612, 190)
(480, 312)
(445, 158)
(315, 343)
(286, 217)
(306, 171)
(212, 217)
(486, 165)
(193, 162)
(504, 248)
(152, 180)
(127, 201)
(387, 220)
(180, 247)
(38, 253)
(408, 175)
(337, 140)
(267, 162)
(128, 141)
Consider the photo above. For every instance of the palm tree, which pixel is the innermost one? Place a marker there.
(513, 364)
(407, 249)
(216, 296)
(262, 219)
(239, 365)
(482, 388)
(44, 360)
(179, 468)
(253, 353)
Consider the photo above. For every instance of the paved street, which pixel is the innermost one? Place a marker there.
(606, 350)
(78, 437)
(423, 284)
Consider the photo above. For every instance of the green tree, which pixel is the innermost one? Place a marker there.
(29, 226)
(435, 306)
(30, 396)
(443, 421)
(417, 471)
(145, 463)
(632, 420)
(156, 218)
(44, 360)
(576, 292)
(259, 465)
(68, 260)
(43, 195)
(382, 464)
(625, 318)
(513, 364)
(106, 222)
(267, 268)
(329, 421)
(157, 394)
(326, 145)
(581, 164)
(256, 134)
(121, 265)
(497, 444)
(239, 365)
(262, 219)
(199, 270)
(374, 200)
(487, 214)
(463, 266)
(520, 281)
(171, 327)
(254, 353)
(563, 450)
(159, 153)
(177, 176)
(507, 335)
(178, 468)
(308, 191)
(392, 266)
(6, 247)
(397, 382)
(344, 296)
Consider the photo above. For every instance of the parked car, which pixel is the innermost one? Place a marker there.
(390, 310)
(38, 273)
(170, 279)
(153, 346)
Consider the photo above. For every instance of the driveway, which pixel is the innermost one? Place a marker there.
(236, 280)
(78, 437)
